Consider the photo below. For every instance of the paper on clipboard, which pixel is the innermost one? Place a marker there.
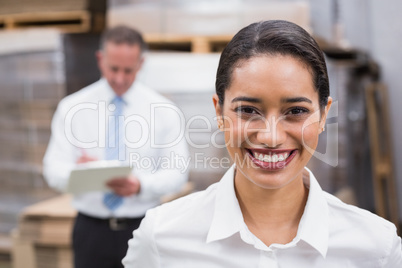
(92, 176)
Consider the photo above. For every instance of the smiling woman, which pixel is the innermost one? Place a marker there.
(272, 99)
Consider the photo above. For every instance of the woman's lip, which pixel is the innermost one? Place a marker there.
(271, 166)
(270, 151)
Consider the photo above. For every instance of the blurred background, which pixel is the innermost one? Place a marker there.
(47, 51)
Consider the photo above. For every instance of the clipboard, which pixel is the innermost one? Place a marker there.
(92, 176)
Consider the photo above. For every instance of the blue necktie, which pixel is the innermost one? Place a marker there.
(115, 148)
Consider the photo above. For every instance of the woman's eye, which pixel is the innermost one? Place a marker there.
(246, 110)
(298, 111)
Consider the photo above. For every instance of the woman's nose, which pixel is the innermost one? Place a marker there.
(273, 134)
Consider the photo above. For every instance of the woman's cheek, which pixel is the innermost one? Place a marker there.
(309, 136)
(234, 132)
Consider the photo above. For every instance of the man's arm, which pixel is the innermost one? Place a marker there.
(60, 157)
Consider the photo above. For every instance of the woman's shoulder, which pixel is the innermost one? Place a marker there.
(361, 228)
(350, 214)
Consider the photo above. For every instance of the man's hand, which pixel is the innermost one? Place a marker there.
(124, 186)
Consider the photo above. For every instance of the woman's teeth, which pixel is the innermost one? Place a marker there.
(271, 158)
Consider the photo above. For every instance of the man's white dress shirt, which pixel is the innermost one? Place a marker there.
(155, 145)
(207, 230)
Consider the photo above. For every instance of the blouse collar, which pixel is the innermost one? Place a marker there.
(228, 219)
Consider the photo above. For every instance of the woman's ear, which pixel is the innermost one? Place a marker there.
(324, 115)
(218, 111)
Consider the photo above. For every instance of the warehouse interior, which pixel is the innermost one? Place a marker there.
(47, 51)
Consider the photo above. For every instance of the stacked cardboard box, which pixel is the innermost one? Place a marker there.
(43, 236)
(32, 83)
(33, 74)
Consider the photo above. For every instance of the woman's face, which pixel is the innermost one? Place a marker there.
(271, 120)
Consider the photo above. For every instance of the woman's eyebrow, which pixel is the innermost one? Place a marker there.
(296, 99)
(248, 99)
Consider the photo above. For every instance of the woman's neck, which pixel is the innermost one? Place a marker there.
(273, 215)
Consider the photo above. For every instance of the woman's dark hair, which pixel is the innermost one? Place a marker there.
(273, 37)
(123, 35)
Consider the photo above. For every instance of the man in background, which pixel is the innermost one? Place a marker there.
(116, 118)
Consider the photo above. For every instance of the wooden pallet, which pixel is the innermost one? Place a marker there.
(386, 202)
(67, 21)
(196, 44)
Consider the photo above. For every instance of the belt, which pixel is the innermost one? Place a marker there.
(115, 224)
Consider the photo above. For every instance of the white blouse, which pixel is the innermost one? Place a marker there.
(206, 230)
